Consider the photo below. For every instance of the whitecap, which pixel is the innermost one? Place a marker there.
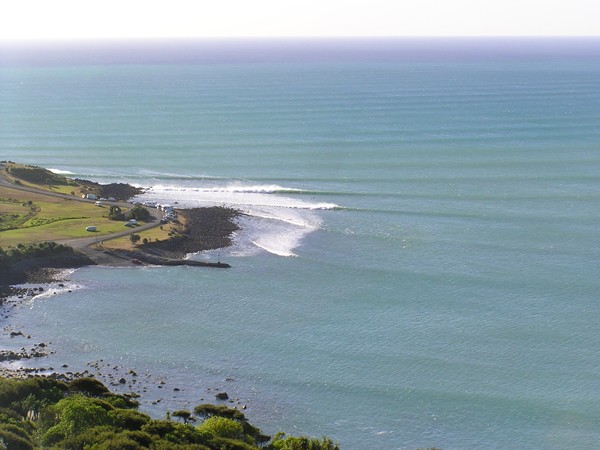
(61, 172)
(275, 221)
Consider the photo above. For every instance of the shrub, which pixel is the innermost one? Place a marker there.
(222, 427)
(137, 213)
(14, 441)
(131, 419)
(88, 386)
(280, 442)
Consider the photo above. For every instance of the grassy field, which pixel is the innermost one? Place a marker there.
(153, 234)
(40, 178)
(40, 218)
(27, 217)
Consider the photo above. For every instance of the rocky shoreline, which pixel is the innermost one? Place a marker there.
(205, 229)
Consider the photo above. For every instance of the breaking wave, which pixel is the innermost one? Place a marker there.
(276, 220)
(61, 172)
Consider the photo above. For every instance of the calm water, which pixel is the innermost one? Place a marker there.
(421, 261)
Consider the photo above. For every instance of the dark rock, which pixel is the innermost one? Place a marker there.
(222, 396)
(122, 380)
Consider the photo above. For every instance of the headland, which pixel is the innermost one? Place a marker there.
(49, 223)
(95, 223)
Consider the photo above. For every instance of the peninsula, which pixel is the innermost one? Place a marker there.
(91, 223)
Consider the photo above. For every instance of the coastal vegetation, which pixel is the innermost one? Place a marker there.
(41, 178)
(83, 414)
(17, 264)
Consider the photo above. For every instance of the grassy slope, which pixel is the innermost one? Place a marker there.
(54, 219)
(49, 218)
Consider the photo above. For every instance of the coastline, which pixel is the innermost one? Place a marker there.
(199, 229)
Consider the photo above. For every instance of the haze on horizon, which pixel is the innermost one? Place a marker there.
(139, 19)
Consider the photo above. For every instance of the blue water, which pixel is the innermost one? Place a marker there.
(420, 263)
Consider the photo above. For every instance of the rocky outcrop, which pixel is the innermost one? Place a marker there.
(42, 270)
(205, 229)
(120, 191)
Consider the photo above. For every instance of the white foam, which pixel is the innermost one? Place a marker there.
(275, 250)
(54, 290)
(276, 222)
(232, 195)
(61, 172)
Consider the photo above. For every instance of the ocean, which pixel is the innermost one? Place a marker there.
(419, 262)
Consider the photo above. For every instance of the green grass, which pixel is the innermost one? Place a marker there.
(49, 218)
(153, 234)
(40, 178)
(14, 213)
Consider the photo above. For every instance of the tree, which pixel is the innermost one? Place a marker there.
(183, 414)
(137, 213)
(134, 238)
(115, 213)
(76, 414)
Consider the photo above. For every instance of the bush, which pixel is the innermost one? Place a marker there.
(14, 441)
(280, 442)
(16, 430)
(137, 213)
(88, 386)
(222, 427)
(131, 419)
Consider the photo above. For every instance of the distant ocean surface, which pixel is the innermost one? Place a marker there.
(420, 262)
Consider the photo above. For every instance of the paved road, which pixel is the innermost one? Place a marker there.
(80, 243)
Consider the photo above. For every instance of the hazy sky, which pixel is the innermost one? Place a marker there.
(59, 19)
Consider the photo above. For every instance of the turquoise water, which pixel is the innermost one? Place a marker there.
(420, 261)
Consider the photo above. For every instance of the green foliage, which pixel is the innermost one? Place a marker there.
(185, 434)
(88, 386)
(19, 431)
(182, 414)
(78, 413)
(130, 419)
(115, 213)
(45, 390)
(207, 410)
(37, 175)
(20, 213)
(85, 415)
(10, 416)
(36, 250)
(133, 237)
(137, 213)
(281, 442)
(222, 427)
(14, 441)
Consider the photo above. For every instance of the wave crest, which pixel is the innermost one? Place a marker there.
(277, 220)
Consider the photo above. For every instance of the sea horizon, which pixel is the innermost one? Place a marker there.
(417, 265)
